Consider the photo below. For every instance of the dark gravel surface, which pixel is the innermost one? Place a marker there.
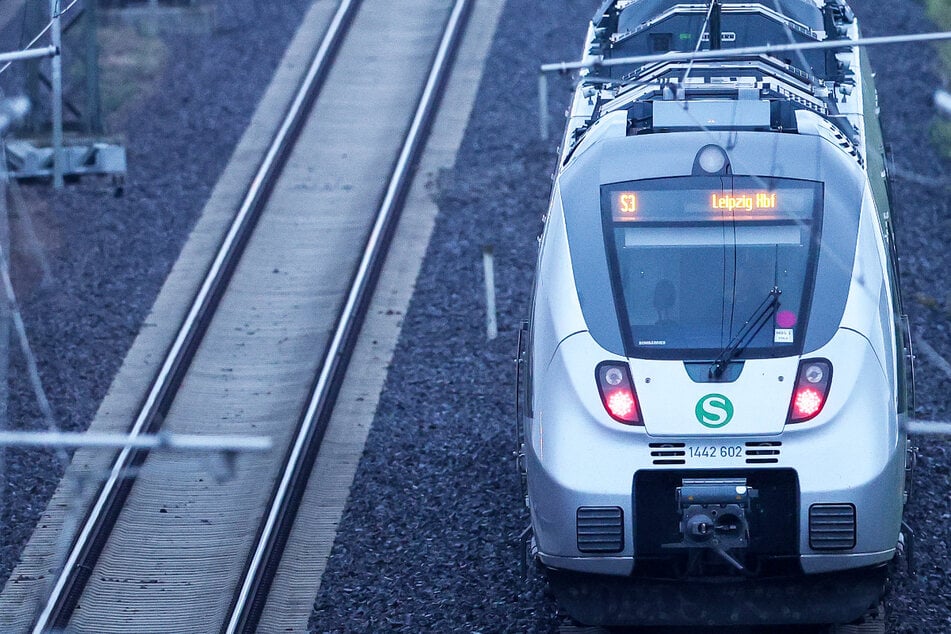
(109, 256)
(429, 539)
(428, 542)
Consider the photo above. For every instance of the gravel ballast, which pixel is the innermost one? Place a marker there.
(429, 541)
(109, 256)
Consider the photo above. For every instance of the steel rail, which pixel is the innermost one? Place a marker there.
(98, 524)
(263, 562)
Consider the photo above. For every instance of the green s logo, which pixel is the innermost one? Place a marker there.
(714, 411)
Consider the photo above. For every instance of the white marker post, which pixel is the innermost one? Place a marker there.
(488, 265)
(942, 100)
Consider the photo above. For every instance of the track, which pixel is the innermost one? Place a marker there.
(283, 506)
(410, 588)
(114, 532)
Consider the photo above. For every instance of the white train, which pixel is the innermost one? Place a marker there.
(717, 361)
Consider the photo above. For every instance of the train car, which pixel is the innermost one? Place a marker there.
(717, 361)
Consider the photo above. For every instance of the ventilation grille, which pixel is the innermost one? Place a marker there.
(763, 452)
(832, 526)
(792, 96)
(834, 134)
(600, 529)
(668, 453)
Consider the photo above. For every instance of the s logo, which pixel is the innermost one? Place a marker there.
(714, 411)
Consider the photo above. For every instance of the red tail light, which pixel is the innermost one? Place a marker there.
(617, 392)
(812, 388)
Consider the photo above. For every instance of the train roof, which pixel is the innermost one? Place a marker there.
(822, 93)
(644, 27)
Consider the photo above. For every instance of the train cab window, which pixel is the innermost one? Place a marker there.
(694, 259)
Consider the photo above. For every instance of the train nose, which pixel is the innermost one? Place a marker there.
(677, 400)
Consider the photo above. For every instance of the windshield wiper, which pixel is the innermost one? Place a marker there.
(752, 326)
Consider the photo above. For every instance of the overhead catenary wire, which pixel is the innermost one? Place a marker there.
(28, 52)
(31, 239)
(12, 111)
(598, 62)
(769, 49)
(20, 326)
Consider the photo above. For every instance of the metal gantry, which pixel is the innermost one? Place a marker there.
(24, 159)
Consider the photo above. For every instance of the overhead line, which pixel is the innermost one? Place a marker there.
(748, 51)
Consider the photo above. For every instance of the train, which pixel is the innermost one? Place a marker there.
(716, 372)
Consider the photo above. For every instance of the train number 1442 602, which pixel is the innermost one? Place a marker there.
(715, 451)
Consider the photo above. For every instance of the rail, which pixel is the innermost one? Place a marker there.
(285, 500)
(279, 515)
(98, 524)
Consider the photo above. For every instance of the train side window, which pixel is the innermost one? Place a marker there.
(661, 42)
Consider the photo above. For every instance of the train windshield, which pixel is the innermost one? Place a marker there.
(693, 258)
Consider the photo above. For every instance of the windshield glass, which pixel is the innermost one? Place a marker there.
(692, 258)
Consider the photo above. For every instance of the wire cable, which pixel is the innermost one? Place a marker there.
(43, 32)
(703, 30)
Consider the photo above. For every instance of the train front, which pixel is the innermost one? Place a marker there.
(716, 392)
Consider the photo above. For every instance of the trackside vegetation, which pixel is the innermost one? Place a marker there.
(940, 12)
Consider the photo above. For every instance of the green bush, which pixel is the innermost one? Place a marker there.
(940, 12)
(941, 135)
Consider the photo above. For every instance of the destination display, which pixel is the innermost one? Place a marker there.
(706, 205)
